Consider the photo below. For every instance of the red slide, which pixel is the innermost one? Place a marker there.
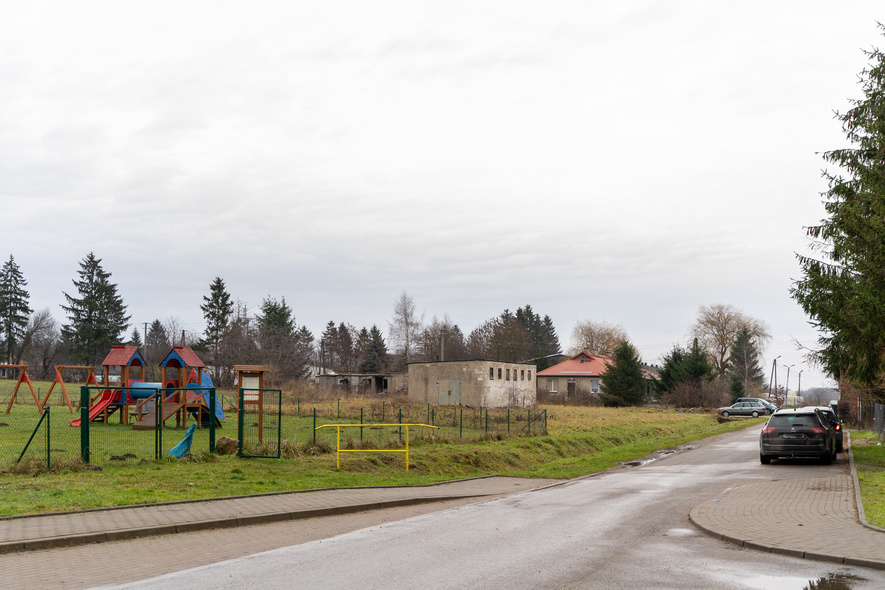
(98, 407)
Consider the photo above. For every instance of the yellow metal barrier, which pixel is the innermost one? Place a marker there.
(339, 450)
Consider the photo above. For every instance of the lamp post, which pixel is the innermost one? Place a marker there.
(799, 387)
(787, 385)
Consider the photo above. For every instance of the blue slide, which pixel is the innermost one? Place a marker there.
(206, 384)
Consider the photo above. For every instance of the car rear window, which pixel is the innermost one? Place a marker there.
(794, 420)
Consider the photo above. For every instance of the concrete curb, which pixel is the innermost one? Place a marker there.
(231, 522)
(220, 498)
(861, 514)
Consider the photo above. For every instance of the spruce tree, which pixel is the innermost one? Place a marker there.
(97, 319)
(217, 310)
(623, 383)
(842, 288)
(14, 309)
(745, 372)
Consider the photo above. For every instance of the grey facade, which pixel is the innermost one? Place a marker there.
(490, 384)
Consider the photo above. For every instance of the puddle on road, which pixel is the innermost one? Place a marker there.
(657, 455)
(832, 581)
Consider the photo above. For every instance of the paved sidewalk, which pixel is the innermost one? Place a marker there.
(812, 518)
(91, 526)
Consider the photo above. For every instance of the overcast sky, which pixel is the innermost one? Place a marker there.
(623, 161)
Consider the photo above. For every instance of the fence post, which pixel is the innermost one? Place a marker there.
(211, 419)
(48, 430)
(400, 428)
(487, 420)
(240, 420)
(314, 427)
(84, 423)
(361, 421)
(461, 425)
(508, 421)
(339, 408)
(529, 424)
(382, 412)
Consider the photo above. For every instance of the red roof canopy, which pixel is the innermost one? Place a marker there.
(123, 356)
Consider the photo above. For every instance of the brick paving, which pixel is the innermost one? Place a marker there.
(90, 526)
(813, 518)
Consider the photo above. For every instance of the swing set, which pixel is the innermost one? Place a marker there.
(22, 378)
(90, 380)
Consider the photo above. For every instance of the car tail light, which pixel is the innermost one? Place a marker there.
(768, 430)
(838, 427)
(818, 430)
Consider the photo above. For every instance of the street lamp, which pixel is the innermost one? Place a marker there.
(799, 388)
(787, 385)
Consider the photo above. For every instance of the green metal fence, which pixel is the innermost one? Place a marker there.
(259, 423)
(112, 439)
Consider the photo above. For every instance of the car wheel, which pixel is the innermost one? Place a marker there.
(827, 459)
(840, 448)
(764, 459)
(755, 414)
(725, 414)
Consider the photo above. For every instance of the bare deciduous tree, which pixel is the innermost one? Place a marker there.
(42, 342)
(598, 337)
(405, 327)
(716, 327)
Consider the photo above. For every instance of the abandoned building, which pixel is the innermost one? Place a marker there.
(475, 383)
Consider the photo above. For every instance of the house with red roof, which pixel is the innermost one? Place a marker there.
(581, 376)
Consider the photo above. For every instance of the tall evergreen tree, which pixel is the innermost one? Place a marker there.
(97, 319)
(217, 311)
(134, 338)
(843, 291)
(14, 309)
(623, 383)
(376, 353)
(746, 376)
(156, 345)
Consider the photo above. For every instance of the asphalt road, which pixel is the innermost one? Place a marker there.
(624, 529)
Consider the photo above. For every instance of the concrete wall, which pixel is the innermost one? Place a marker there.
(479, 383)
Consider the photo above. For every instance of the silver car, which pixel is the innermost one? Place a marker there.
(751, 408)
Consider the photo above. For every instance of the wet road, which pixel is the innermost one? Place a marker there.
(626, 529)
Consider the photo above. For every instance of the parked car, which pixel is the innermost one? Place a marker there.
(801, 432)
(835, 423)
(753, 408)
(771, 407)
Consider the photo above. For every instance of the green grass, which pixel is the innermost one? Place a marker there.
(869, 459)
(579, 441)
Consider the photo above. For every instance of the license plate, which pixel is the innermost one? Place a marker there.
(793, 436)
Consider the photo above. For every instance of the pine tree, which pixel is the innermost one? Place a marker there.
(376, 352)
(217, 311)
(97, 319)
(156, 345)
(843, 291)
(623, 383)
(14, 310)
(135, 338)
(745, 372)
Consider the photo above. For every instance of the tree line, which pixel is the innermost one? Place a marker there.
(724, 356)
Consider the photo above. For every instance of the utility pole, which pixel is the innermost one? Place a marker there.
(799, 388)
(773, 379)
(787, 385)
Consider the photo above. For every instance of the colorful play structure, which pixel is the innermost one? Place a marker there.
(184, 390)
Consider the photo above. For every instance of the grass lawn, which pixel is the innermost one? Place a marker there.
(579, 441)
(869, 459)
